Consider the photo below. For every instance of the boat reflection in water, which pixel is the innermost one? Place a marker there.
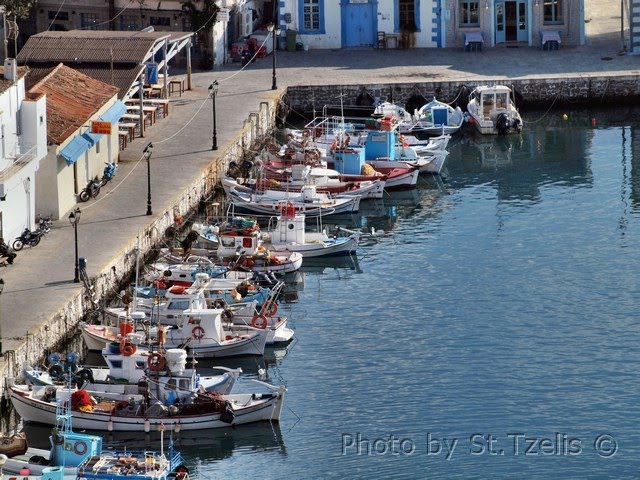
(203, 445)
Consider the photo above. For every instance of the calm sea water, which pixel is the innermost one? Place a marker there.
(489, 331)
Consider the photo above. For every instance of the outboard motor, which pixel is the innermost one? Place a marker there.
(503, 124)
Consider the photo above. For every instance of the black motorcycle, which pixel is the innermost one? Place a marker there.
(28, 237)
(92, 190)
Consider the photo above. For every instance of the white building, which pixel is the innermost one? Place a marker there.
(76, 155)
(23, 128)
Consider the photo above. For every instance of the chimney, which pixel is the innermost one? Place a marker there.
(10, 69)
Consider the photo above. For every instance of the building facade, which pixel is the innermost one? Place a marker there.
(23, 128)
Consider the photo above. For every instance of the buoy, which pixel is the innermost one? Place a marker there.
(25, 472)
(565, 117)
(593, 122)
(147, 426)
(110, 425)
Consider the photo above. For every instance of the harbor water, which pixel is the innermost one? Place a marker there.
(487, 329)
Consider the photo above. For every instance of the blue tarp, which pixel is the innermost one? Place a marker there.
(74, 149)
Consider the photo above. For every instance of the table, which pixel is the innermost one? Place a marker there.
(130, 128)
(473, 41)
(123, 135)
(176, 82)
(159, 103)
(550, 39)
(149, 111)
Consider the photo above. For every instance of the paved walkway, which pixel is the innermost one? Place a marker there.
(41, 280)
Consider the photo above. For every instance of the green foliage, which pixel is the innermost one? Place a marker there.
(201, 19)
(19, 8)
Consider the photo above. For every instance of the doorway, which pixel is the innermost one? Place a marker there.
(511, 21)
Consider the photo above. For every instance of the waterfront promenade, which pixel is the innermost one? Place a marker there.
(41, 280)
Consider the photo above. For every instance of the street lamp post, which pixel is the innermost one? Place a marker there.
(275, 32)
(74, 219)
(213, 91)
(147, 153)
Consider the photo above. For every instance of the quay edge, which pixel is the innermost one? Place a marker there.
(612, 89)
(61, 325)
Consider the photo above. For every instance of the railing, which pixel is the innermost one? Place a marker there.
(17, 164)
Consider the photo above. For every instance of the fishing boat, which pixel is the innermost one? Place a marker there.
(308, 200)
(492, 111)
(290, 235)
(102, 411)
(81, 455)
(127, 365)
(438, 118)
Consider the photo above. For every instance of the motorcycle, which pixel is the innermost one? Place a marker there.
(44, 224)
(28, 237)
(109, 172)
(92, 190)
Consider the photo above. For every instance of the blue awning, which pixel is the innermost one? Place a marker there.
(92, 138)
(74, 149)
(114, 114)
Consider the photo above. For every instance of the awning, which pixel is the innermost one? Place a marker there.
(74, 149)
(115, 113)
(92, 138)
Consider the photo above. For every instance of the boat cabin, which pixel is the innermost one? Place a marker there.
(492, 101)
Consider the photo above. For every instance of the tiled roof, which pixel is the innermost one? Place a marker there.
(88, 46)
(122, 76)
(72, 99)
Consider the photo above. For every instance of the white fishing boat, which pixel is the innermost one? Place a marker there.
(308, 200)
(439, 118)
(127, 365)
(102, 411)
(492, 111)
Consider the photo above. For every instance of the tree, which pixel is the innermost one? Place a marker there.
(202, 20)
(20, 9)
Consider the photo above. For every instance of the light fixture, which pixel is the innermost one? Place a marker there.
(74, 219)
(213, 92)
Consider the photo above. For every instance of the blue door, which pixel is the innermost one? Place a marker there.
(357, 25)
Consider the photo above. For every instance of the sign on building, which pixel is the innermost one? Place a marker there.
(223, 15)
(101, 127)
(152, 73)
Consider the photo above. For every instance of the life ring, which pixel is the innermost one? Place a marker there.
(263, 322)
(126, 348)
(156, 362)
(270, 308)
(306, 132)
(80, 447)
(198, 332)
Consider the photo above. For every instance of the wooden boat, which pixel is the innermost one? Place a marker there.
(133, 412)
(127, 365)
(439, 118)
(492, 111)
(80, 455)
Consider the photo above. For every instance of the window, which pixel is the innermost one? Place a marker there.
(53, 15)
(312, 16)
(88, 20)
(160, 21)
(98, 147)
(186, 24)
(469, 14)
(407, 16)
(128, 22)
(552, 11)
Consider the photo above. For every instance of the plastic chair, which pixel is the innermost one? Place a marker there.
(382, 41)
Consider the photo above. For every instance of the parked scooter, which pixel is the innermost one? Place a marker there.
(109, 172)
(92, 190)
(28, 237)
(44, 224)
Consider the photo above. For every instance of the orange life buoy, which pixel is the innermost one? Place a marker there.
(126, 348)
(270, 308)
(178, 289)
(263, 322)
(156, 362)
(197, 332)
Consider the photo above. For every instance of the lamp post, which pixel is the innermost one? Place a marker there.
(74, 219)
(213, 91)
(275, 32)
(147, 153)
